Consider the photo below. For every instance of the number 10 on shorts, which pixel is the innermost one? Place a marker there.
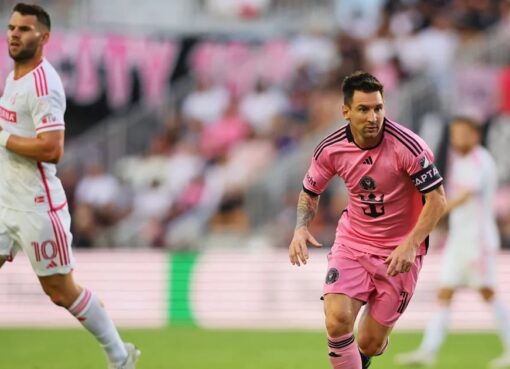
(47, 249)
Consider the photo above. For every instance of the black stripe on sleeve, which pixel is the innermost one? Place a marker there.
(311, 193)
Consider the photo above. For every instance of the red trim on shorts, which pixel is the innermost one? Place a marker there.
(57, 238)
(60, 236)
(65, 244)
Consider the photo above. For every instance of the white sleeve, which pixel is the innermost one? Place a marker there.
(48, 109)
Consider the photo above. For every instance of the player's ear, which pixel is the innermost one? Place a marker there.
(346, 111)
(45, 37)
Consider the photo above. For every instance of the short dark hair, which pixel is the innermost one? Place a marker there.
(471, 122)
(31, 9)
(360, 81)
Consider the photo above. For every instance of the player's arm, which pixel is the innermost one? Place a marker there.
(458, 201)
(402, 258)
(307, 206)
(46, 147)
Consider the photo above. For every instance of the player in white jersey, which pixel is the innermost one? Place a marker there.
(33, 211)
(469, 258)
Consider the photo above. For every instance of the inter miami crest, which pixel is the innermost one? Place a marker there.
(367, 183)
(332, 276)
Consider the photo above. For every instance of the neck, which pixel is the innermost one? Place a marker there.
(367, 143)
(26, 66)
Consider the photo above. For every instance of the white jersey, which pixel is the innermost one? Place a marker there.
(30, 105)
(473, 230)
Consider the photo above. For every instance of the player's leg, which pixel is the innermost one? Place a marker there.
(503, 324)
(88, 309)
(348, 284)
(46, 240)
(373, 338)
(341, 312)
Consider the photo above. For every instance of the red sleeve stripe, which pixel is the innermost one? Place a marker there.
(50, 126)
(41, 85)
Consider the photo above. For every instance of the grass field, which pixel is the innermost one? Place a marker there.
(183, 348)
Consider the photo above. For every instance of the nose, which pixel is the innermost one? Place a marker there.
(372, 116)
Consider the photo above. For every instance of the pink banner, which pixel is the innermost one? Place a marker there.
(86, 54)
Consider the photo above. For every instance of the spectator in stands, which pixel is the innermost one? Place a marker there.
(262, 105)
(95, 199)
(205, 104)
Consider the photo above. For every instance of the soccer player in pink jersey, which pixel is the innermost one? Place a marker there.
(33, 209)
(396, 198)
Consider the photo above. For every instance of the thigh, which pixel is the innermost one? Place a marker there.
(8, 248)
(347, 276)
(46, 240)
(393, 294)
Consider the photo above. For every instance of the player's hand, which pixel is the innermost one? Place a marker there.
(298, 249)
(401, 259)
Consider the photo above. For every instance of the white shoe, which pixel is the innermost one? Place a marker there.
(418, 358)
(129, 363)
(501, 362)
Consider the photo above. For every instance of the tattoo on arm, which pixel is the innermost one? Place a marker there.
(306, 209)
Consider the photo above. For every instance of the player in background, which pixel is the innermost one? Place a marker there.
(396, 198)
(469, 257)
(33, 209)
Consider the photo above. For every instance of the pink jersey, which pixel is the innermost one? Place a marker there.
(385, 184)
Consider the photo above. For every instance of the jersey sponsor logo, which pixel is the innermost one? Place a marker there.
(375, 205)
(39, 199)
(7, 115)
(332, 276)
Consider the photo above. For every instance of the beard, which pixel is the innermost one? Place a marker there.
(27, 53)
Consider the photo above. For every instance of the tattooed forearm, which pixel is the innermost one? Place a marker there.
(306, 209)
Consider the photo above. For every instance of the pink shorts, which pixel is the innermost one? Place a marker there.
(362, 276)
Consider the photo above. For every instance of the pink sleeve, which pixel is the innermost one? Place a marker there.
(318, 175)
(421, 168)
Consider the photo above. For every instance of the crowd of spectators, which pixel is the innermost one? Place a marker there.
(194, 177)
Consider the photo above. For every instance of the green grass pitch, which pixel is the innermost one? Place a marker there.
(193, 348)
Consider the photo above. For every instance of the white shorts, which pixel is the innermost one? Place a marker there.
(44, 237)
(461, 271)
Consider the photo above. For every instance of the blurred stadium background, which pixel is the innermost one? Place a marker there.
(190, 124)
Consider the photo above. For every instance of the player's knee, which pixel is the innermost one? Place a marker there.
(56, 298)
(487, 293)
(3, 259)
(371, 345)
(445, 295)
(338, 323)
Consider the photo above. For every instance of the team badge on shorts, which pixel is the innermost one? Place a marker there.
(332, 276)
